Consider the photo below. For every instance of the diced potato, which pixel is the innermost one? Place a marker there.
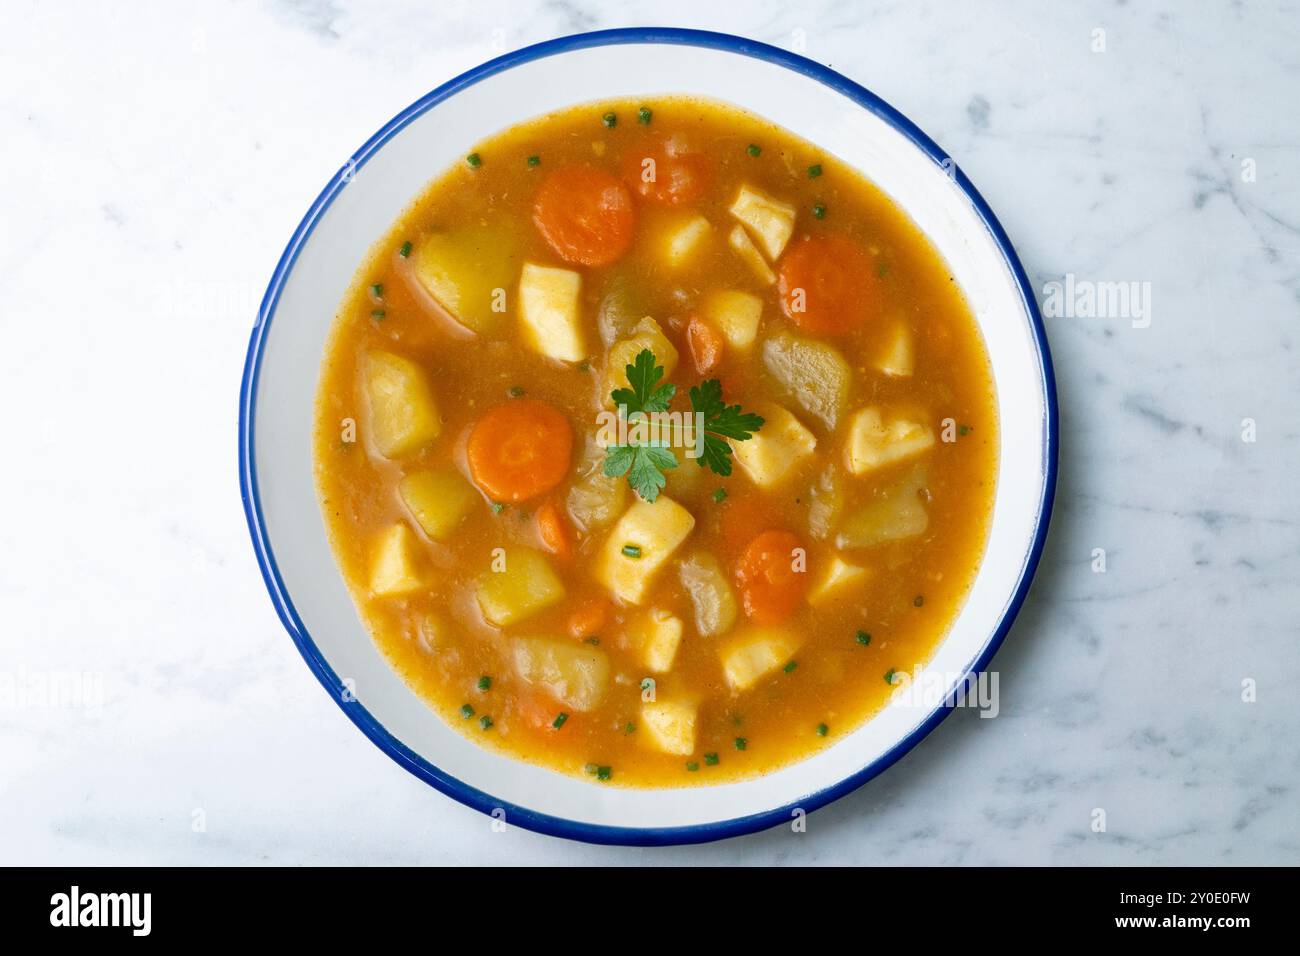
(736, 315)
(403, 412)
(438, 500)
(649, 533)
(744, 247)
(463, 269)
(684, 240)
(656, 634)
(646, 335)
(688, 480)
(706, 583)
(825, 503)
(813, 373)
(394, 563)
(756, 652)
(838, 579)
(770, 220)
(776, 449)
(669, 726)
(897, 360)
(548, 312)
(875, 442)
(594, 498)
(526, 586)
(896, 514)
(577, 675)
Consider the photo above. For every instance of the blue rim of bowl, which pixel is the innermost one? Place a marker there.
(403, 755)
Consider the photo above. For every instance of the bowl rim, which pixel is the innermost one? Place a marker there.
(372, 728)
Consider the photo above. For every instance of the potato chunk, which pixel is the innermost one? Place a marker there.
(736, 315)
(825, 503)
(656, 634)
(644, 538)
(463, 269)
(706, 583)
(669, 726)
(813, 373)
(770, 220)
(438, 500)
(776, 449)
(756, 652)
(645, 335)
(875, 442)
(685, 240)
(744, 247)
(526, 586)
(393, 564)
(895, 514)
(548, 312)
(897, 360)
(595, 499)
(403, 412)
(577, 675)
(838, 579)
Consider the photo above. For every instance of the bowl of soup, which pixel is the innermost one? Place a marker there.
(636, 425)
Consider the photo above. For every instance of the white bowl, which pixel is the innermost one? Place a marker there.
(367, 195)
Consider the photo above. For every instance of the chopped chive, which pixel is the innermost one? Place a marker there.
(643, 114)
(534, 161)
(405, 251)
(814, 170)
(889, 676)
(474, 160)
(864, 638)
(593, 640)
(466, 711)
(516, 391)
(497, 507)
(604, 773)
(819, 211)
(918, 600)
(789, 668)
(822, 730)
(647, 683)
(631, 550)
(963, 429)
(584, 366)
(754, 149)
(741, 743)
(378, 314)
(629, 728)
(720, 495)
(559, 720)
(377, 291)
(882, 270)
(711, 760)
(610, 120)
(485, 722)
(692, 766)
(485, 683)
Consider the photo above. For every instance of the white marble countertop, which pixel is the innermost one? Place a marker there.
(157, 158)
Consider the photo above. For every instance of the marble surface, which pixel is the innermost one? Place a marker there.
(158, 156)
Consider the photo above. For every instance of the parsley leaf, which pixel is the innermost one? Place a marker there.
(644, 466)
(645, 395)
(720, 421)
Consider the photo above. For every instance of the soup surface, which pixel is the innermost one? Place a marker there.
(655, 445)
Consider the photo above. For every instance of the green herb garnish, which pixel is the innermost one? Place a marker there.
(711, 760)
(631, 551)
(610, 120)
(559, 720)
(405, 251)
(720, 495)
(789, 668)
(822, 730)
(814, 170)
(474, 160)
(485, 683)
(466, 711)
(721, 421)
(741, 743)
(819, 211)
(889, 676)
(534, 161)
(692, 766)
(864, 638)
(485, 722)
(753, 149)
(643, 115)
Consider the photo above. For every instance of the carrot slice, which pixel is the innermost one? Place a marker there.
(828, 285)
(551, 527)
(664, 171)
(706, 345)
(520, 450)
(770, 587)
(585, 215)
(589, 618)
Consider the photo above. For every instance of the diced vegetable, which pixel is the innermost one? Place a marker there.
(577, 675)
(897, 360)
(706, 345)
(619, 310)
(594, 498)
(706, 583)
(744, 247)
(771, 576)
(813, 373)
(462, 268)
(875, 442)
(526, 586)
(393, 565)
(655, 634)
(825, 504)
(756, 652)
(772, 453)
(519, 450)
(548, 312)
(736, 315)
(685, 239)
(770, 220)
(403, 412)
(667, 171)
(895, 514)
(438, 500)
(838, 579)
(669, 726)
(585, 215)
(657, 530)
(829, 285)
(645, 335)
